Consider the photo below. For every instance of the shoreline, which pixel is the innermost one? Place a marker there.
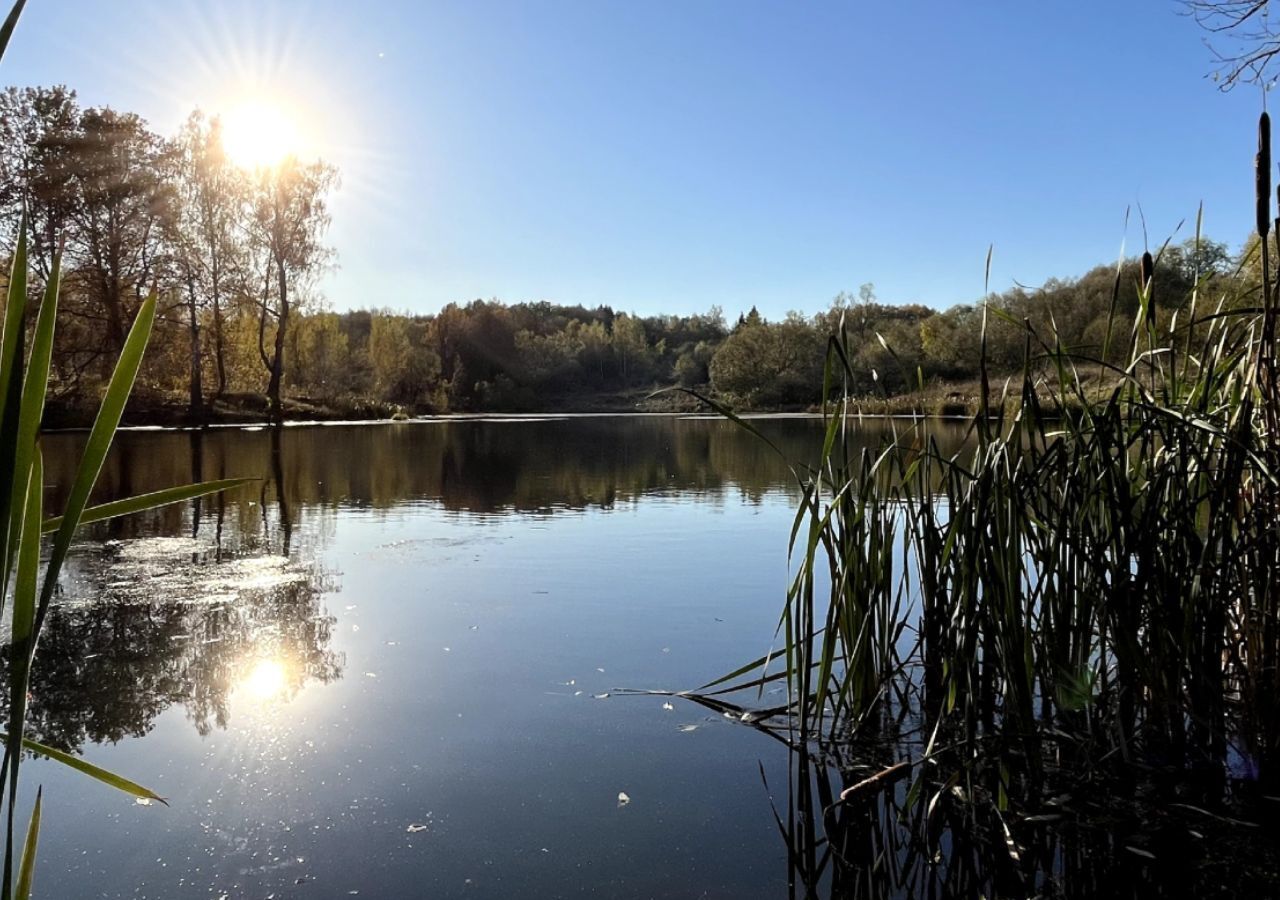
(512, 417)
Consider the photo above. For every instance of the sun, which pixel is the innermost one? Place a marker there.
(258, 134)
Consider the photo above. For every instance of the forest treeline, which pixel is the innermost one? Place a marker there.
(235, 256)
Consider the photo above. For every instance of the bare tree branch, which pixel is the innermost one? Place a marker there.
(1243, 40)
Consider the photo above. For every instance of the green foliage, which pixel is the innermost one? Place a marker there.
(762, 364)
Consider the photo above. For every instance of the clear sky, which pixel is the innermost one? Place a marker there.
(667, 155)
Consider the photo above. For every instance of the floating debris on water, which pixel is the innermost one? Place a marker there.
(667, 706)
(194, 571)
(685, 729)
(416, 827)
(604, 696)
(623, 799)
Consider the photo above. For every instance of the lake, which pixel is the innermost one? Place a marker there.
(390, 668)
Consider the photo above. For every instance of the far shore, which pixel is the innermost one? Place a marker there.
(167, 415)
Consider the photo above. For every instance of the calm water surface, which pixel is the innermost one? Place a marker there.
(388, 669)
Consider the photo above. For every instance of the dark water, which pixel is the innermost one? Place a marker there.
(389, 668)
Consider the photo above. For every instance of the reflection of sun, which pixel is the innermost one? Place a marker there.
(266, 680)
(258, 134)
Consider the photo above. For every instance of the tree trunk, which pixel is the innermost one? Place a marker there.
(197, 388)
(115, 319)
(277, 360)
(219, 353)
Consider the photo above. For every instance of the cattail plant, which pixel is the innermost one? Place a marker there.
(1073, 597)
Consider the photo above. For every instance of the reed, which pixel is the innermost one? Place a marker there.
(27, 586)
(1073, 595)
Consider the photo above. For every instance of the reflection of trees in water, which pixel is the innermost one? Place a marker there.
(106, 669)
(119, 647)
(471, 466)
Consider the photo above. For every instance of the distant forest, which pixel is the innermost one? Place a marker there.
(235, 257)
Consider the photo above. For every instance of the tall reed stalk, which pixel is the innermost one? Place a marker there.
(1092, 586)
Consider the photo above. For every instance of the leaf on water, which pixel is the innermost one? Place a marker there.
(685, 729)
(623, 799)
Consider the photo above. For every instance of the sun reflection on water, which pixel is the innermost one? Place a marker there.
(266, 680)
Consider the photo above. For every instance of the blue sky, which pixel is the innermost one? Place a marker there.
(664, 156)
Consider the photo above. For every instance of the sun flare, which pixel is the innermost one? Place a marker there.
(259, 135)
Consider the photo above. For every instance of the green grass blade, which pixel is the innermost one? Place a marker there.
(24, 592)
(23, 625)
(96, 772)
(743, 670)
(14, 311)
(27, 870)
(35, 388)
(11, 348)
(95, 451)
(10, 518)
(143, 502)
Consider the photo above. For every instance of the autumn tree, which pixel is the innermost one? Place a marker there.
(288, 218)
(38, 128)
(320, 356)
(119, 199)
(765, 364)
(207, 231)
(631, 350)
